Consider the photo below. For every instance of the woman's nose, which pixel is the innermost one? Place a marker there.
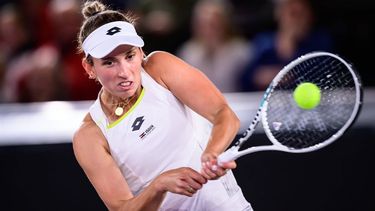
(124, 69)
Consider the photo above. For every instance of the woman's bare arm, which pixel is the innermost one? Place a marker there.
(92, 153)
(195, 90)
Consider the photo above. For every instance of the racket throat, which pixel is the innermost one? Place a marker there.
(229, 155)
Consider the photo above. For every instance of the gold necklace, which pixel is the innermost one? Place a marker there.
(120, 106)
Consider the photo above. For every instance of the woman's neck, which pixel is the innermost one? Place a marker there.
(115, 106)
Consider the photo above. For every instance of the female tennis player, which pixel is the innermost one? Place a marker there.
(142, 144)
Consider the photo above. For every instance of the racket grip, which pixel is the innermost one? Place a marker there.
(229, 155)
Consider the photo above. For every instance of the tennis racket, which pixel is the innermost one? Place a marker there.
(296, 130)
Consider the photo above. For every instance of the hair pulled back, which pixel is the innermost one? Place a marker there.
(96, 14)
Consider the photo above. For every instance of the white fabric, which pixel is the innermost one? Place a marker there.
(106, 38)
(170, 136)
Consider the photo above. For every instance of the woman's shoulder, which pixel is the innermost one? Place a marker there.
(161, 60)
(87, 131)
(89, 143)
(158, 64)
(158, 58)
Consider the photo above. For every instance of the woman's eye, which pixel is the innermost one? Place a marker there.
(130, 56)
(107, 63)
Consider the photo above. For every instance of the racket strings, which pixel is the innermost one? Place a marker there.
(296, 128)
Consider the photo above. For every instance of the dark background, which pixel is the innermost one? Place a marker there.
(349, 21)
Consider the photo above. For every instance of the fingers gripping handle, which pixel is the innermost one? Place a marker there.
(229, 155)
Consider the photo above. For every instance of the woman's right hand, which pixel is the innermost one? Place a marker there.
(184, 181)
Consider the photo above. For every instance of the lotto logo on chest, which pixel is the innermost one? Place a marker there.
(137, 125)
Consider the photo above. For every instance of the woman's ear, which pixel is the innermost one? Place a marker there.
(88, 68)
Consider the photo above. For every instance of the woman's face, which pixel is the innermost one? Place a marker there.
(119, 72)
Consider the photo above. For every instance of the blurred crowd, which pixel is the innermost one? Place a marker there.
(39, 60)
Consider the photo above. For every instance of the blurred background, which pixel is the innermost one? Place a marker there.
(239, 45)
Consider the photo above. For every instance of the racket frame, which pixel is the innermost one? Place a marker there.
(234, 152)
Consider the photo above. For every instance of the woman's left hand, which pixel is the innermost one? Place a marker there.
(211, 169)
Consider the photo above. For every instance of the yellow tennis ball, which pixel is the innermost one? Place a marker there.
(307, 95)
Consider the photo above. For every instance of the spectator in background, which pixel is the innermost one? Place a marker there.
(66, 18)
(42, 65)
(215, 47)
(162, 22)
(296, 35)
(37, 24)
(13, 36)
(16, 46)
(42, 82)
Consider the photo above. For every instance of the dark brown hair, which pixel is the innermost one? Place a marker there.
(96, 14)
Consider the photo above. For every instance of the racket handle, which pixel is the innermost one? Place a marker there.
(229, 155)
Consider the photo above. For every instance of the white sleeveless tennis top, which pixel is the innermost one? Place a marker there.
(157, 134)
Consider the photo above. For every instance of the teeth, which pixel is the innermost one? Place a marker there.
(125, 84)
